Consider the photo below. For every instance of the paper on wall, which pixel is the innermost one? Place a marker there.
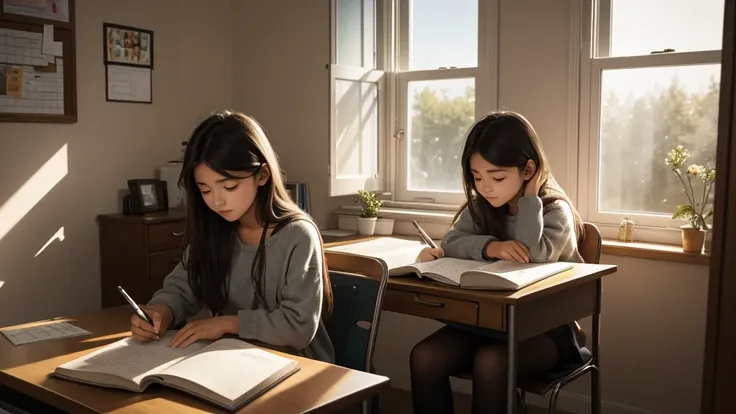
(50, 47)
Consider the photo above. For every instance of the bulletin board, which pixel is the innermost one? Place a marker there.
(37, 61)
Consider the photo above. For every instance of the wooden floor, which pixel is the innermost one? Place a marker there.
(398, 401)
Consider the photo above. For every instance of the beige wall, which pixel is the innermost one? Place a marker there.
(283, 82)
(111, 143)
(654, 311)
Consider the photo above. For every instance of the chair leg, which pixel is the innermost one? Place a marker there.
(553, 399)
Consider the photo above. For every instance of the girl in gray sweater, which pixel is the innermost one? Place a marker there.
(515, 211)
(251, 257)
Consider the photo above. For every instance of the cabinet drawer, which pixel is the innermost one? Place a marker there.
(164, 236)
(160, 264)
(492, 315)
(433, 307)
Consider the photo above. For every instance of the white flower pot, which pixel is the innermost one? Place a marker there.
(384, 227)
(366, 226)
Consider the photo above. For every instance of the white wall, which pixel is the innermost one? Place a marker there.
(652, 310)
(110, 143)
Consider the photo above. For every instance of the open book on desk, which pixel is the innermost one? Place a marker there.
(228, 372)
(401, 257)
(471, 274)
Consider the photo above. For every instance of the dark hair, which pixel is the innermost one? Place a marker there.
(507, 139)
(233, 142)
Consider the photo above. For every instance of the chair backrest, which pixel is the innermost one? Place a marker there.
(353, 324)
(590, 245)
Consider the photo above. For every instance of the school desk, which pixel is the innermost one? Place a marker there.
(317, 387)
(522, 314)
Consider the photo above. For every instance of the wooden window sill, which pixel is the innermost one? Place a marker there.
(654, 251)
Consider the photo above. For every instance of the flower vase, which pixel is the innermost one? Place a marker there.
(692, 239)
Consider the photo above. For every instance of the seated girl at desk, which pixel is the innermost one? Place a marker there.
(515, 211)
(252, 257)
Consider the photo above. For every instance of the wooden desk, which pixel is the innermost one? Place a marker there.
(528, 312)
(317, 387)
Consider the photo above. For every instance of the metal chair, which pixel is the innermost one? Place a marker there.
(353, 324)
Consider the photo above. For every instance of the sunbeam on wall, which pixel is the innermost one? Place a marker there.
(59, 235)
(34, 189)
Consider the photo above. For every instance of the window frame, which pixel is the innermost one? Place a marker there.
(376, 75)
(595, 41)
(485, 76)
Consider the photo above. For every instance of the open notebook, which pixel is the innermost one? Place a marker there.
(228, 372)
(401, 257)
(471, 274)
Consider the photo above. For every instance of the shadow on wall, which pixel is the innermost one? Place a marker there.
(33, 209)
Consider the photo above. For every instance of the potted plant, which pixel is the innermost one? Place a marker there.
(693, 233)
(369, 213)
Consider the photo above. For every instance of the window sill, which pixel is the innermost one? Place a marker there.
(442, 216)
(654, 251)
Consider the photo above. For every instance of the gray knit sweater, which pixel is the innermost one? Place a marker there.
(291, 318)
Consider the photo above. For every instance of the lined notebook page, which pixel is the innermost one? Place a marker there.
(229, 367)
(131, 359)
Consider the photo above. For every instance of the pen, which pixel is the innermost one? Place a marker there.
(141, 314)
(424, 235)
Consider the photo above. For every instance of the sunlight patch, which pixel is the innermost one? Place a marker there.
(30, 193)
(59, 235)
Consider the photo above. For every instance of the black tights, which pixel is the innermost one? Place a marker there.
(452, 351)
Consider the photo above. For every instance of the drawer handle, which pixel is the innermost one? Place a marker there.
(177, 234)
(426, 303)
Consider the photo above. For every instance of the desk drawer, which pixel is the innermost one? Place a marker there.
(160, 264)
(433, 307)
(164, 236)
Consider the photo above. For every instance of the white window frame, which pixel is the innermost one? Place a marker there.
(486, 93)
(340, 186)
(596, 42)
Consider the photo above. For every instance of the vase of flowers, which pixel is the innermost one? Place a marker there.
(697, 211)
(369, 212)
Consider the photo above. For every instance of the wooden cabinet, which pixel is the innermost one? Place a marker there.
(137, 252)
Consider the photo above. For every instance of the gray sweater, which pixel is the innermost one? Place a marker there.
(291, 319)
(549, 234)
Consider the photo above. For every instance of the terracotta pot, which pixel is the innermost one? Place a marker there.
(692, 240)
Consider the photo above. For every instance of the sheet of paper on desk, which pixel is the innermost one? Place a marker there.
(394, 251)
(43, 333)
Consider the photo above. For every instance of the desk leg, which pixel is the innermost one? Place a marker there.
(595, 382)
(511, 382)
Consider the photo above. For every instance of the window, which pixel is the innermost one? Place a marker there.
(356, 98)
(650, 81)
(441, 71)
(405, 92)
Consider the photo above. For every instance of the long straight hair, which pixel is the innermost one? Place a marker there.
(230, 142)
(507, 139)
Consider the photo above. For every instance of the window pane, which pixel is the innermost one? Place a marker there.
(440, 113)
(357, 129)
(356, 33)
(644, 114)
(443, 33)
(643, 26)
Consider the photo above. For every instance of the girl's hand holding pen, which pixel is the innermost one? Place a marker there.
(428, 254)
(162, 317)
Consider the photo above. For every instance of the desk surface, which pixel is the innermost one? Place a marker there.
(316, 387)
(578, 275)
